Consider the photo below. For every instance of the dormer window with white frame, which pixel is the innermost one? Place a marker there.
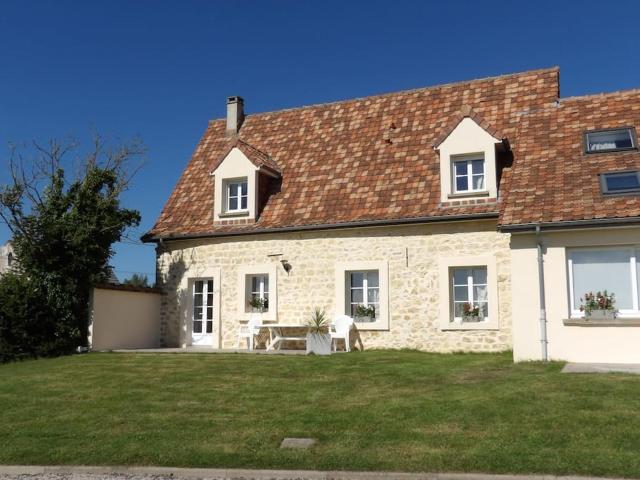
(239, 184)
(468, 173)
(468, 162)
(236, 191)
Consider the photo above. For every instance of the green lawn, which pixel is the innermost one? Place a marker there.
(377, 410)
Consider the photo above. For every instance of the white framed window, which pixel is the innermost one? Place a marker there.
(468, 174)
(469, 294)
(202, 318)
(471, 281)
(614, 269)
(611, 140)
(236, 195)
(362, 292)
(620, 182)
(363, 295)
(258, 289)
(257, 282)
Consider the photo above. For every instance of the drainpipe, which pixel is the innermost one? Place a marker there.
(543, 308)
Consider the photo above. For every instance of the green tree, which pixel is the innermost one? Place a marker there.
(63, 231)
(137, 280)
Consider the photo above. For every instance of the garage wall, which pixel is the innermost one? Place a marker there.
(611, 344)
(124, 317)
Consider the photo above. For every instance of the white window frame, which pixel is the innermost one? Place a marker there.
(468, 159)
(365, 291)
(205, 304)
(227, 190)
(447, 320)
(634, 251)
(341, 306)
(470, 286)
(262, 291)
(245, 272)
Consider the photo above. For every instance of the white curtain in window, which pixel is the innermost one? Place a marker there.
(598, 270)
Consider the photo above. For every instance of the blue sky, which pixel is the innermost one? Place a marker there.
(161, 70)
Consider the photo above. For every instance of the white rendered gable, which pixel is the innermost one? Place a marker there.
(467, 138)
(235, 165)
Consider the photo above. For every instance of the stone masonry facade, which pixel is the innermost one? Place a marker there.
(412, 253)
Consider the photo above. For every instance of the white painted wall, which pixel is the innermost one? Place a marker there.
(124, 319)
(467, 138)
(615, 344)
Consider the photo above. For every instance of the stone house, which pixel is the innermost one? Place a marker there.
(6, 257)
(432, 217)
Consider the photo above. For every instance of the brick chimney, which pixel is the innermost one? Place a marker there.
(235, 115)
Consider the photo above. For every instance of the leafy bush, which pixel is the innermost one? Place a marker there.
(31, 326)
(63, 228)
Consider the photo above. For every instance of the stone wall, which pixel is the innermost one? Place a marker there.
(412, 253)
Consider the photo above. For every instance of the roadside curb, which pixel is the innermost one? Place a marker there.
(246, 474)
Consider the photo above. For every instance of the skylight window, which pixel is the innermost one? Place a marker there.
(620, 182)
(610, 140)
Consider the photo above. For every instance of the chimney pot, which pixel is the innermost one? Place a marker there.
(235, 114)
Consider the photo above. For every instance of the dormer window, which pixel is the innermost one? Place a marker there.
(468, 174)
(468, 166)
(613, 140)
(237, 195)
(242, 184)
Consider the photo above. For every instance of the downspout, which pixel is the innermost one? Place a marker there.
(543, 308)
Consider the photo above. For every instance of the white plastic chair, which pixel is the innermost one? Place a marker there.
(340, 329)
(250, 330)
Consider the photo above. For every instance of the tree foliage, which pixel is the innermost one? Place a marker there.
(63, 228)
(137, 280)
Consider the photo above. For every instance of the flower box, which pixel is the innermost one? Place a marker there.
(598, 314)
(360, 319)
(472, 319)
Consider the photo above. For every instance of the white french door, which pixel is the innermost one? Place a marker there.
(202, 313)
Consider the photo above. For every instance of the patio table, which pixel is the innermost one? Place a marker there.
(280, 332)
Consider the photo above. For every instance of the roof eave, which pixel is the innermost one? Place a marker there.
(150, 238)
(570, 224)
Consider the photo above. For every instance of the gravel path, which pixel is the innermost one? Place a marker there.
(84, 476)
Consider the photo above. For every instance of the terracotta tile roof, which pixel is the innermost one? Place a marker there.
(258, 158)
(552, 179)
(367, 159)
(467, 112)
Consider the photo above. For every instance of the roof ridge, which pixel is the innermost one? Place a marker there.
(600, 94)
(398, 92)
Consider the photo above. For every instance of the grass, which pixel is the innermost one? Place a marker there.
(377, 410)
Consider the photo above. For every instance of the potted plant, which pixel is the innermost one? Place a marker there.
(258, 304)
(364, 313)
(318, 337)
(599, 306)
(471, 313)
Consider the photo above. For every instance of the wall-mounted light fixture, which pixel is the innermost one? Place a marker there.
(286, 265)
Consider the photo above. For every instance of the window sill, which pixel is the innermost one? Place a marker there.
(489, 325)
(365, 326)
(239, 213)
(616, 322)
(483, 193)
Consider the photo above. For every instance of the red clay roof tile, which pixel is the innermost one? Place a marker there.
(368, 159)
